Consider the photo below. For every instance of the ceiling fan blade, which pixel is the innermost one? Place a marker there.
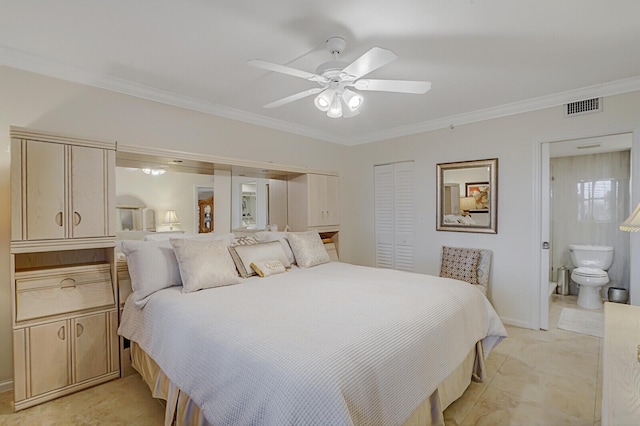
(402, 86)
(375, 58)
(295, 97)
(270, 66)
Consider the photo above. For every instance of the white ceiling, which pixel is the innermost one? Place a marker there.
(485, 58)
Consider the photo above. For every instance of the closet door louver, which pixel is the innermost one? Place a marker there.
(384, 215)
(394, 221)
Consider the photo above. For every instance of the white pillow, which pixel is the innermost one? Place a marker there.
(204, 263)
(308, 248)
(152, 267)
(279, 236)
(245, 255)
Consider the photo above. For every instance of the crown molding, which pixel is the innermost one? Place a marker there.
(26, 62)
(598, 90)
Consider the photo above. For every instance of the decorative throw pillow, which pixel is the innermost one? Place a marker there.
(265, 268)
(308, 248)
(460, 264)
(266, 236)
(245, 240)
(243, 256)
(152, 267)
(484, 267)
(204, 263)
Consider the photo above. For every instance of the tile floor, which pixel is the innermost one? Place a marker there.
(549, 377)
(534, 378)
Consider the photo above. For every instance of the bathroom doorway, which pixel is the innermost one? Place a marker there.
(584, 196)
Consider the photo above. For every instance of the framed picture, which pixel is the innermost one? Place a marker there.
(479, 191)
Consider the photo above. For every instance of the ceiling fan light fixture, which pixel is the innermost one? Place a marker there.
(335, 111)
(352, 99)
(324, 100)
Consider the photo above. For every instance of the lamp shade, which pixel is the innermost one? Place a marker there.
(335, 110)
(352, 99)
(467, 203)
(171, 219)
(324, 100)
(632, 224)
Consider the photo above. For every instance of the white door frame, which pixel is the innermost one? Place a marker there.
(540, 229)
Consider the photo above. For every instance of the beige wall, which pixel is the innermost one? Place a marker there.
(511, 140)
(38, 102)
(30, 100)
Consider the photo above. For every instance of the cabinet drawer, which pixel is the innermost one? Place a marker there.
(57, 291)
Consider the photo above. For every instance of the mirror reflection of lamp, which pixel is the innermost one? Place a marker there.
(466, 204)
(171, 219)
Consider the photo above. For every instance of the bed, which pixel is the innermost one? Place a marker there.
(329, 344)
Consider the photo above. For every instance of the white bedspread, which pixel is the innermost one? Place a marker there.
(335, 344)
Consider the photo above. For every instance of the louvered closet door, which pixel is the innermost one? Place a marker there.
(384, 215)
(394, 210)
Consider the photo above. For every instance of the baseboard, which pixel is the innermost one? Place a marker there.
(6, 386)
(516, 322)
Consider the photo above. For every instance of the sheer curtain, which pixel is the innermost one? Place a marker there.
(590, 199)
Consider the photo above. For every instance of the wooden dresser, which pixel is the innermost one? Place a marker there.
(621, 365)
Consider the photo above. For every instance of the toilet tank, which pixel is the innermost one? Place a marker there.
(591, 256)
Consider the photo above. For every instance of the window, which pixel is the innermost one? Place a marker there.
(596, 200)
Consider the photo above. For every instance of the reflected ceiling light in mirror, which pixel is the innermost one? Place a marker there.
(153, 172)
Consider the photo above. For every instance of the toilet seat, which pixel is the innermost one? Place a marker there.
(590, 272)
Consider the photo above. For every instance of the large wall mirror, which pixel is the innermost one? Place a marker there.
(467, 196)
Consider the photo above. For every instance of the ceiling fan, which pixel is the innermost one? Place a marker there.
(337, 79)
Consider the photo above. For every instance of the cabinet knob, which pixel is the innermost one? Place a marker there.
(76, 218)
(59, 218)
(79, 330)
(61, 333)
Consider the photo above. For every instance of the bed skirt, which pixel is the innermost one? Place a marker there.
(181, 411)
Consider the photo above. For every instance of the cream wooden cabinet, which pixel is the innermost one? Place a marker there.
(64, 355)
(60, 188)
(314, 202)
(47, 352)
(63, 267)
(621, 365)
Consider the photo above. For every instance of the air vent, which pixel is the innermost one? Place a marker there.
(583, 107)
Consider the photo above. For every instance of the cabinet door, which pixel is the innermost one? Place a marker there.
(324, 200)
(45, 190)
(316, 193)
(90, 352)
(49, 357)
(332, 200)
(88, 215)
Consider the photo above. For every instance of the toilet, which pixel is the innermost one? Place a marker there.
(590, 274)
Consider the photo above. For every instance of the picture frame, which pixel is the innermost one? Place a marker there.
(481, 192)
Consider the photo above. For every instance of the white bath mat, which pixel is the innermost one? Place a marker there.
(585, 322)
